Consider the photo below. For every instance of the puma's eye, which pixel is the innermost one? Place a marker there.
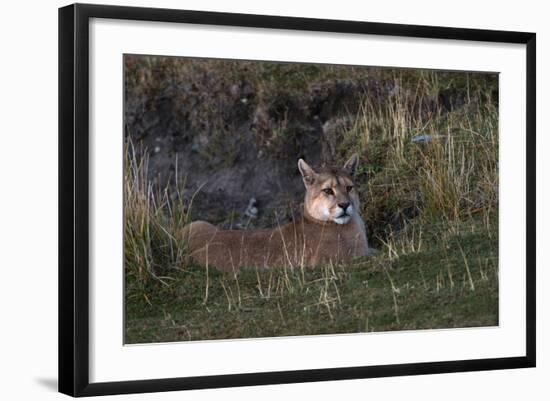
(349, 188)
(328, 191)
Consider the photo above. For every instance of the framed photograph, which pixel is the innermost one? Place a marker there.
(250, 199)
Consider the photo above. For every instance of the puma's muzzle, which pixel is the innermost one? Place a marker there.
(343, 215)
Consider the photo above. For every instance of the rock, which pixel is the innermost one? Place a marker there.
(425, 138)
(421, 138)
(252, 209)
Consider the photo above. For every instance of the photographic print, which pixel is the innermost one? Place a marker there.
(236, 210)
(267, 199)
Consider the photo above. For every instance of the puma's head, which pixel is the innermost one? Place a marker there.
(330, 192)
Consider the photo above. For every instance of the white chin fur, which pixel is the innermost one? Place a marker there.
(342, 220)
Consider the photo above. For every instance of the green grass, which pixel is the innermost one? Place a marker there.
(431, 210)
(451, 281)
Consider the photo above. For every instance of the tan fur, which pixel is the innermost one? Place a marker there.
(314, 239)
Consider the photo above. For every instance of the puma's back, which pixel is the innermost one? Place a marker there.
(330, 229)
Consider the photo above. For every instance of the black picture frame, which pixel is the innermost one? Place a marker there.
(74, 198)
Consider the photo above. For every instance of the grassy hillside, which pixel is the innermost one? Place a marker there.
(428, 180)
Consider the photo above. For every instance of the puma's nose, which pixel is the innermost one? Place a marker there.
(344, 206)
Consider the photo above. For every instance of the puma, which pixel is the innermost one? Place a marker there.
(330, 229)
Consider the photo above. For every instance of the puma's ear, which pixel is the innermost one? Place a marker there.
(351, 165)
(308, 174)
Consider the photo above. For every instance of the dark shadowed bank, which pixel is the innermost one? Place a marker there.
(218, 140)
